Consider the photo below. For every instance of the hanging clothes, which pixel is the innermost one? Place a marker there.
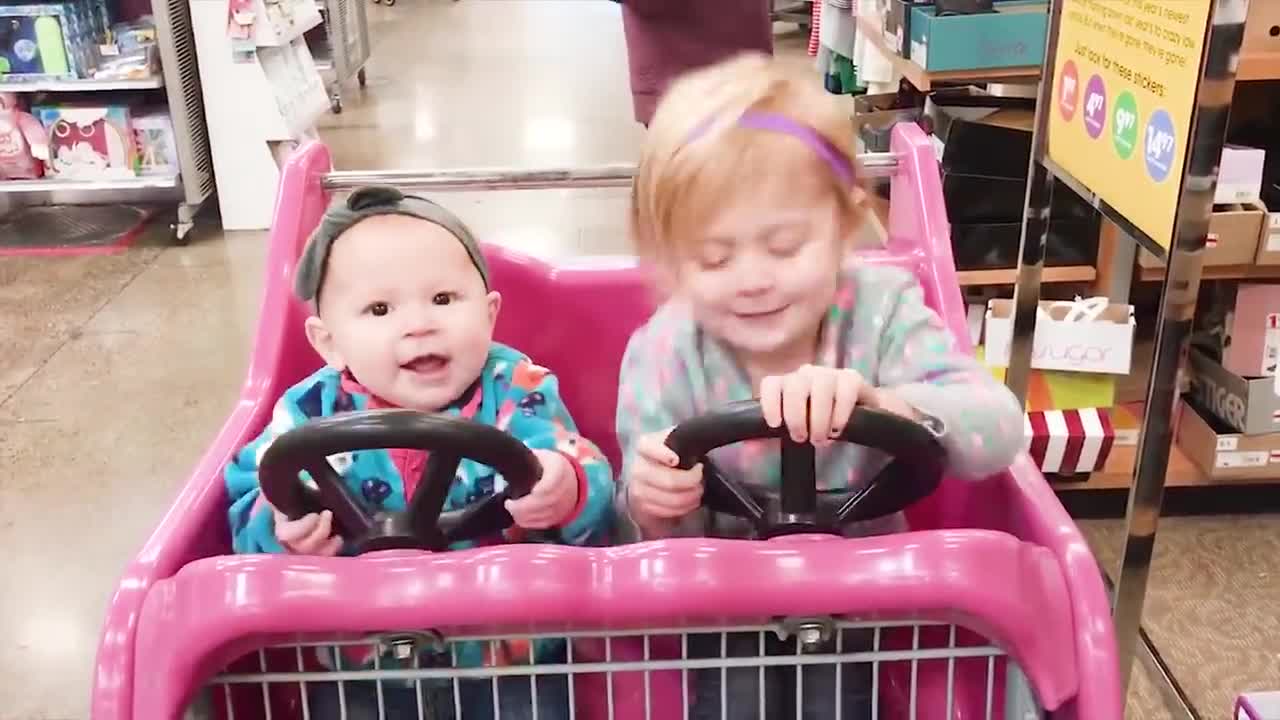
(668, 37)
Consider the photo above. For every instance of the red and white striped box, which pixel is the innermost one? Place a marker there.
(1070, 442)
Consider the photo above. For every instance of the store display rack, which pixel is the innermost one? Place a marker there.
(180, 83)
(344, 48)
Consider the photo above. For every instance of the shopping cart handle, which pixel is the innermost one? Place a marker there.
(424, 524)
(914, 473)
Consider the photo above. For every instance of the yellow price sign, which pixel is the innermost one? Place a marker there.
(1125, 76)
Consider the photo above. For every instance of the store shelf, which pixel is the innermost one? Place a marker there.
(1118, 474)
(158, 182)
(923, 80)
(1008, 276)
(1259, 66)
(90, 85)
(1219, 272)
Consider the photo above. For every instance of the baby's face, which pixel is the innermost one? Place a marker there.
(405, 310)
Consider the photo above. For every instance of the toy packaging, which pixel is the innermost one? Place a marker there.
(153, 137)
(89, 142)
(48, 41)
(24, 144)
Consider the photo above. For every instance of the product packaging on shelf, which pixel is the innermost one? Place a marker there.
(1069, 442)
(1240, 325)
(45, 41)
(1012, 36)
(24, 144)
(1248, 405)
(897, 25)
(1239, 175)
(154, 138)
(1269, 244)
(1235, 232)
(89, 142)
(1059, 390)
(1221, 452)
(985, 190)
(132, 54)
(1085, 336)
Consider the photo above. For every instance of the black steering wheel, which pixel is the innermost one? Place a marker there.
(422, 525)
(915, 471)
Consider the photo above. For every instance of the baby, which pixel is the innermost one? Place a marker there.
(404, 317)
(747, 205)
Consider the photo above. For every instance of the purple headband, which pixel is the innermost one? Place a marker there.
(759, 120)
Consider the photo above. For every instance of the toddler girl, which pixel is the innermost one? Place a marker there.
(747, 205)
(404, 317)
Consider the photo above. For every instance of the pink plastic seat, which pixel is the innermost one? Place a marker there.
(999, 557)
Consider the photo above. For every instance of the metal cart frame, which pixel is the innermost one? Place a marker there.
(346, 31)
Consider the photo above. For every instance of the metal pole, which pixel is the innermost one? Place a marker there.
(1177, 309)
(870, 165)
(1035, 224)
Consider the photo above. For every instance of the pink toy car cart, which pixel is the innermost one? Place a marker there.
(991, 607)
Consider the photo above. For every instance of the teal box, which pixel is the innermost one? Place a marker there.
(1012, 36)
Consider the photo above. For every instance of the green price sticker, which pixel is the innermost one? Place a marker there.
(1124, 125)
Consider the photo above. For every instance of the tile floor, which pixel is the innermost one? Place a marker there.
(115, 371)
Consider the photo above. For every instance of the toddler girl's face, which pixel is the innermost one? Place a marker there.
(765, 271)
(405, 310)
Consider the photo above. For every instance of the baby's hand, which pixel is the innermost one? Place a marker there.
(553, 498)
(658, 492)
(815, 402)
(309, 534)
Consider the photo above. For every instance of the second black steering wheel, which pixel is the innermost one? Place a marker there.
(915, 471)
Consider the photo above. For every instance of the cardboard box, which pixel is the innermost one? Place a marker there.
(965, 129)
(897, 25)
(994, 246)
(1058, 390)
(1269, 244)
(1251, 346)
(875, 116)
(1240, 175)
(1220, 452)
(1067, 339)
(1012, 36)
(1258, 38)
(1234, 236)
(1249, 405)
(1069, 442)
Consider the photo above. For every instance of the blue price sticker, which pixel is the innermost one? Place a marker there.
(1158, 145)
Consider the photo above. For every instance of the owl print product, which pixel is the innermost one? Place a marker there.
(89, 142)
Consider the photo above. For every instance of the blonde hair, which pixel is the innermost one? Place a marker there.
(696, 155)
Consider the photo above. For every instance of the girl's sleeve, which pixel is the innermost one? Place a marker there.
(982, 424)
(547, 425)
(252, 522)
(653, 395)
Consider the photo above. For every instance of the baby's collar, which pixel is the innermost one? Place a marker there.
(467, 404)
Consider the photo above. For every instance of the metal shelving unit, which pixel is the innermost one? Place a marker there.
(346, 46)
(91, 85)
(180, 82)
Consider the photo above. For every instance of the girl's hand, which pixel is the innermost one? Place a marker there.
(658, 492)
(310, 534)
(553, 498)
(815, 402)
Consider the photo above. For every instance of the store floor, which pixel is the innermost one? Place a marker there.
(115, 371)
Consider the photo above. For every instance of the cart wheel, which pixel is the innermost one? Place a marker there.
(335, 104)
(361, 77)
(389, 3)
